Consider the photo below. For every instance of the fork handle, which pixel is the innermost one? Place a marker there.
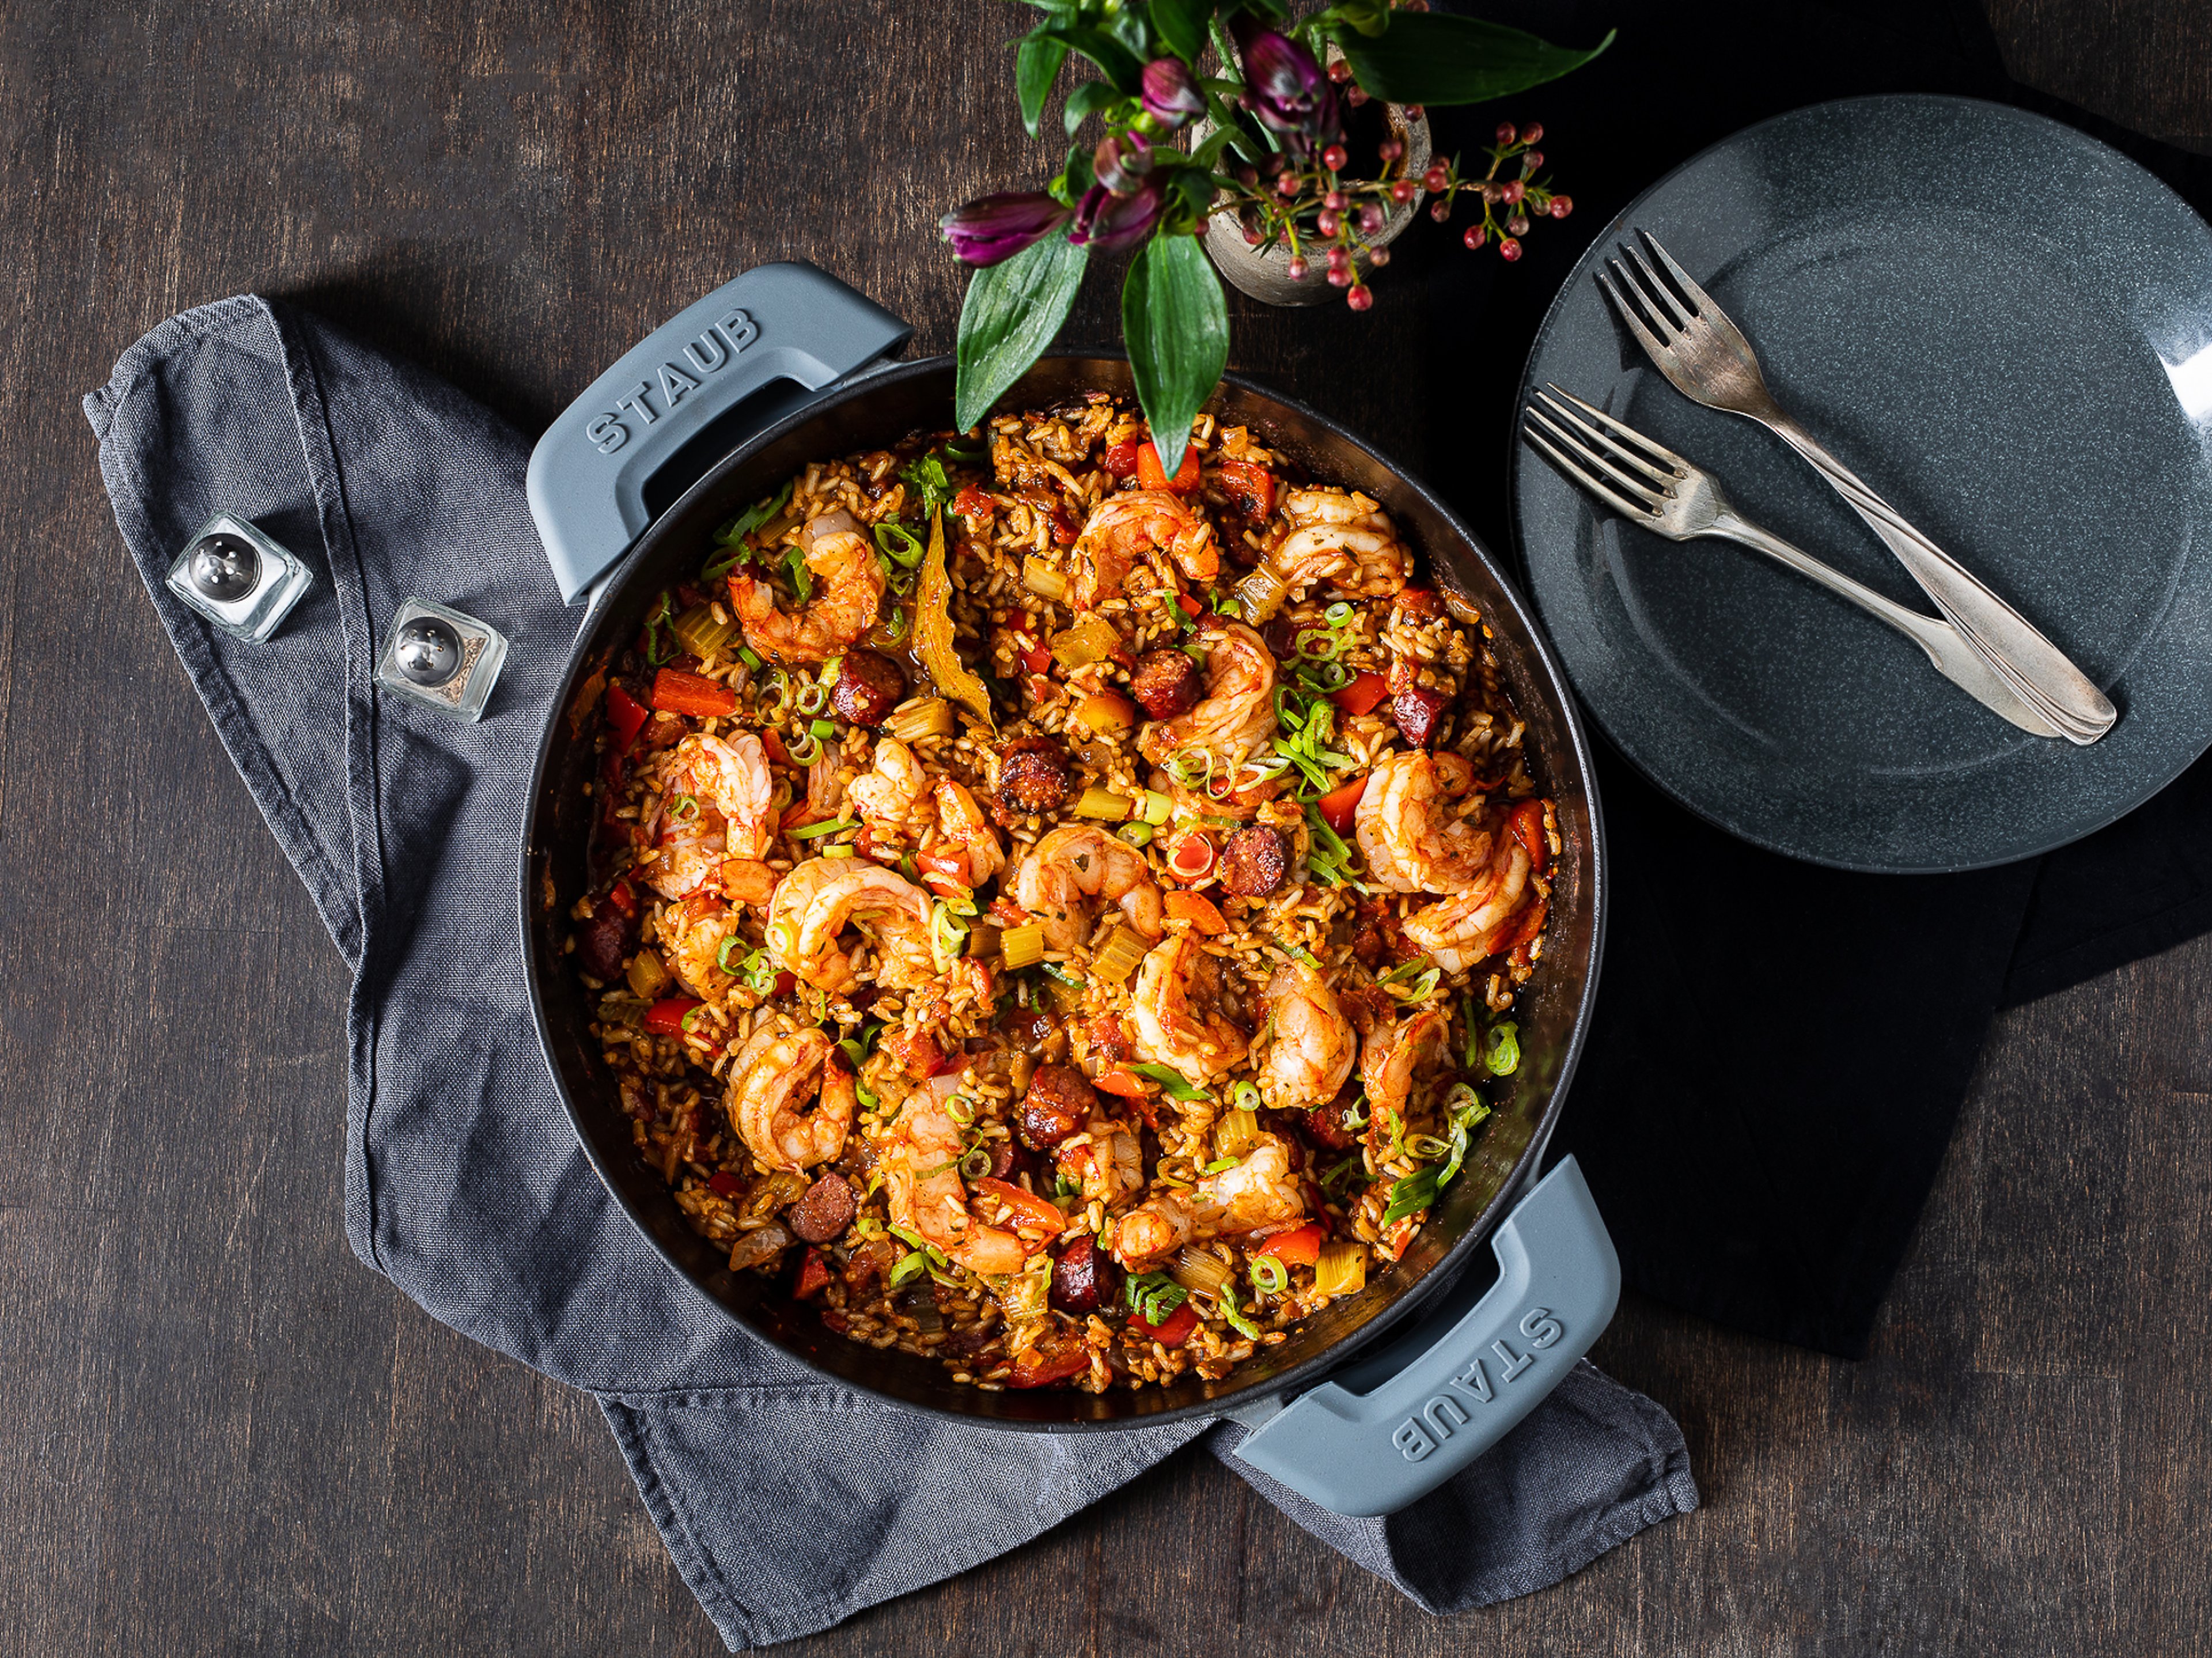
(2014, 649)
(1947, 649)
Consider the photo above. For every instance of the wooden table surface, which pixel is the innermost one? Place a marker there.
(219, 1432)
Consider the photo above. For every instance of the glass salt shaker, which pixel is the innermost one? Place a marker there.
(238, 579)
(441, 656)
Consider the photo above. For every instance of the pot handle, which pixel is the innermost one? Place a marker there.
(1392, 1427)
(776, 323)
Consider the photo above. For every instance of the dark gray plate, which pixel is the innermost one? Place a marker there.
(2005, 327)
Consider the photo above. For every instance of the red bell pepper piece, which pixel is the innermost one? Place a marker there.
(723, 1184)
(1028, 1208)
(971, 501)
(1251, 488)
(1527, 825)
(624, 898)
(1040, 1367)
(1188, 606)
(813, 1274)
(773, 741)
(667, 1017)
(1152, 475)
(626, 714)
(1126, 1083)
(1119, 458)
(675, 691)
(1338, 805)
(1170, 1332)
(1299, 1248)
(1367, 689)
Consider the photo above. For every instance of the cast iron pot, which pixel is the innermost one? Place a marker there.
(1380, 1396)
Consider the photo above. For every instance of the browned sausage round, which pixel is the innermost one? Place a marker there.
(1166, 682)
(1324, 1126)
(602, 941)
(1059, 1101)
(869, 686)
(1033, 775)
(1254, 860)
(824, 1212)
(1084, 1279)
(1418, 710)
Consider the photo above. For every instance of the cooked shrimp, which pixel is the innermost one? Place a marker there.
(1312, 1048)
(921, 1164)
(1343, 539)
(962, 821)
(1258, 1190)
(848, 580)
(771, 1076)
(887, 794)
(1237, 715)
(1472, 924)
(692, 934)
(814, 904)
(1123, 525)
(1104, 1161)
(690, 848)
(1389, 1061)
(1075, 863)
(1178, 1012)
(732, 775)
(1411, 842)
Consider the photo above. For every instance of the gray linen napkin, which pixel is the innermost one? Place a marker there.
(464, 1183)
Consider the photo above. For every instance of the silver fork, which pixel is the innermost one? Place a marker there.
(1654, 487)
(1707, 359)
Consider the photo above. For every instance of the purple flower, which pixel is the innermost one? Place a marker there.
(1109, 223)
(994, 227)
(1121, 161)
(1288, 90)
(1171, 93)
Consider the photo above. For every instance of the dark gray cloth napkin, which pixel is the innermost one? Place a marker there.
(464, 1183)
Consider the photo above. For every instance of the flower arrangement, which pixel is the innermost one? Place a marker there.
(1266, 140)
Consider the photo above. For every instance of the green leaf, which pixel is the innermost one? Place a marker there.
(1085, 101)
(1013, 311)
(1115, 61)
(1175, 324)
(1036, 66)
(1440, 58)
(1181, 24)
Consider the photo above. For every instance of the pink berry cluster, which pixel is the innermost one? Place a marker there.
(1311, 207)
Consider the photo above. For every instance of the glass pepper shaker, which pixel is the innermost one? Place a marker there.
(443, 657)
(241, 581)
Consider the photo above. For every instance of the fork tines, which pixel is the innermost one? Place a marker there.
(1615, 463)
(1658, 312)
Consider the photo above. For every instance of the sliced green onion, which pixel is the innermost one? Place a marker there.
(842, 849)
(948, 931)
(1137, 834)
(1503, 1056)
(816, 831)
(780, 938)
(1319, 643)
(1154, 807)
(1172, 1082)
(1337, 614)
(1245, 1096)
(745, 655)
(910, 1267)
(691, 1020)
(1413, 1194)
(824, 729)
(1236, 1320)
(854, 1051)
(975, 1164)
(1427, 1147)
(898, 544)
(722, 955)
(1056, 970)
(759, 972)
(806, 750)
(1154, 1296)
(1269, 1275)
(1217, 1165)
(813, 696)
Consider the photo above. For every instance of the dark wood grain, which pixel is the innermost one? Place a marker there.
(218, 1432)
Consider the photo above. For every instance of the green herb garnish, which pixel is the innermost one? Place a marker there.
(1154, 1296)
(1172, 1082)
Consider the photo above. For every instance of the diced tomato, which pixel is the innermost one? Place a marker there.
(1366, 689)
(813, 1274)
(1199, 910)
(1301, 1247)
(1150, 475)
(971, 501)
(1126, 1083)
(773, 741)
(723, 1184)
(1252, 489)
(1189, 605)
(1049, 1362)
(626, 714)
(1119, 458)
(667, 1017)
(917, 1053)
(1527, 824)
(1170, 1332)
(1028, 1209)
(675, 691)
(1337, 806)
